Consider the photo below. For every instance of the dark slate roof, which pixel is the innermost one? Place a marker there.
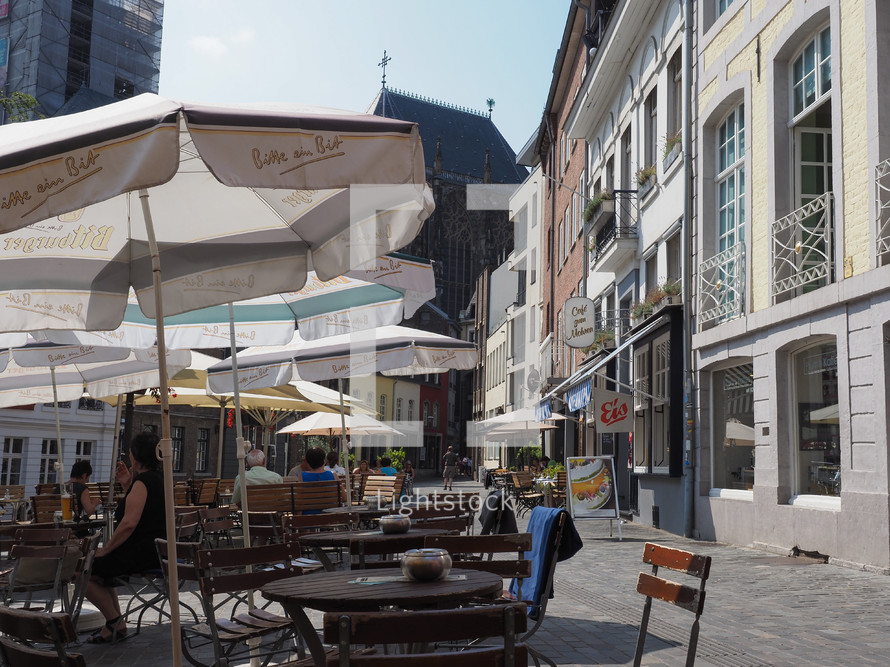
(465, 134)
(84, 100)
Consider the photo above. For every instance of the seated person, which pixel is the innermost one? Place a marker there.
(296, 473)
(333, 464)
(363, 467)
(131, 549)
(316, 473)
(386, 467)
(255, 462)
(83, 503)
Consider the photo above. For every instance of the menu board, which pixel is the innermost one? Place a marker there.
(592, 492)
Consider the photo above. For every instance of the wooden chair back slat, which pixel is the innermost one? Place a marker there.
(315, 495)
(270, 497)
(181, 494)
(386, 487)
(44, 506)
(504, 621)
(22, 625)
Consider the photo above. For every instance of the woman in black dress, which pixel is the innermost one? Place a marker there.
(131, 549)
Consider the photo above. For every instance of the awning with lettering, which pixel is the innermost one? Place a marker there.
(579, 395)
(543, 410)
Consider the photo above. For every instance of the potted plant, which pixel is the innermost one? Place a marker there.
(672, 145)
(641, 309)
(671, 289)
(602, 202)
(645, 179)
(604, 338)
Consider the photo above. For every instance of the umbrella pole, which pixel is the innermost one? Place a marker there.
(115, 449)
(222, 438)
(344, 451)
(59, 464)
(240, 442)
(166, 444)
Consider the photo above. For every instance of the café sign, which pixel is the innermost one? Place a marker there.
(579, 322)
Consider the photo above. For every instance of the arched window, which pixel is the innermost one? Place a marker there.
(436, 414)
(398, 409)
(730, 179)
(426, 412)
(410, 409)
(381, 411)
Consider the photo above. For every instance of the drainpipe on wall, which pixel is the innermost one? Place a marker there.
(688, 192)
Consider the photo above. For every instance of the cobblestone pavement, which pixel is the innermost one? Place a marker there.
(760, 609)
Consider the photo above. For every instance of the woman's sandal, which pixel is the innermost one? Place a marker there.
(116, 635)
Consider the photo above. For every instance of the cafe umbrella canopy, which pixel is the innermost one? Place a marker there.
(194, 205)
(392, 350)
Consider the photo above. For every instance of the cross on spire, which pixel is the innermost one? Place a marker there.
(383, 62)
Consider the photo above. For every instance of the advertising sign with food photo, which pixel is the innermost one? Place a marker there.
(591, 487)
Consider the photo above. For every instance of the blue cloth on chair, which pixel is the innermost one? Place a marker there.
(541, 524)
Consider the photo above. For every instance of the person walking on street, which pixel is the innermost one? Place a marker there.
(450, 460)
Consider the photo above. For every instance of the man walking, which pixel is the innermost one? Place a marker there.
(450, 460)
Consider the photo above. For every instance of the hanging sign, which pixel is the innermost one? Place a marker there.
(613, 412)
(579, 324)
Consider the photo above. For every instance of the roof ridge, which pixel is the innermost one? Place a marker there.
(431, 100)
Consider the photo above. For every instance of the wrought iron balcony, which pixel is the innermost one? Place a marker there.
(882, 229)
(721, 286)
(617, 321)
(614, 241)
(802, 249)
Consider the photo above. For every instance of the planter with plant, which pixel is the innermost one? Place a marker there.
(645, 177)
(671, 289)
(602, 202)
(672, 146)
(641, 309)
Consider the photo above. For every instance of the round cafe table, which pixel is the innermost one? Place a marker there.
(369, 590)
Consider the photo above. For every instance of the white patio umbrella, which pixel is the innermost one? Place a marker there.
(830, 414)
(738, 434)
(386, 291)
(245, 198)
(326, 423)
(47, 373)
(522, 419)
(392, 350)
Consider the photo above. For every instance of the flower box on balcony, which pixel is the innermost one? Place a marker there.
(646, 186)
(670, 156)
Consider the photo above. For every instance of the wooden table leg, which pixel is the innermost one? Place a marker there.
(307, 632)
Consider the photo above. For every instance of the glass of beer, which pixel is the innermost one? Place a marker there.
(67, 514)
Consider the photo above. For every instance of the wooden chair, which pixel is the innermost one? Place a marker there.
(17, 511)
(188, 526)
(44, 506)
(386, 551)
(217, 525)
(235, 572)
(525, 495)
(558, 490)
(270, 497)
(181, 494)
(429, 627)
(207, 491)
(23, 628)
(312, 497)
(46, 488)
(690, 598)
(294, 526)
(476, 552)
(265, 527)
(454, 520)
(389, 488)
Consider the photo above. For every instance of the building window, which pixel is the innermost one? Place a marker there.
(49, 454)
(436, 414)
(410, 409)
(626, 153)
(177, 434)
(674, 261)
(83, 450)
(733, 427)
(11, 465)
(202, 450)
(730, 179)
(811, 74)
(399, 409)
(651, 273)
(271, 457)
(722, 6)
(381, 410)
(651, 129)
(609, 174)
(426, 413)
(675, 95)
(816, 435)
(651, 435)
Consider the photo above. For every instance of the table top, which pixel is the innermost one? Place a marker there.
(340, 590)
(342, 538)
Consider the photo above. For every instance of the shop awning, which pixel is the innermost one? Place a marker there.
(583, 374)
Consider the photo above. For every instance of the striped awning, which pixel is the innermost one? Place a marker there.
(579, 395)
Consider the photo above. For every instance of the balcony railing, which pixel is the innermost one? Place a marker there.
(617, 321)
(882, 230)
(721, 285)
(803, 249)
(620, 225)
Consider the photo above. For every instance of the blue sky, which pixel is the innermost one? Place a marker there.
(326, 53)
